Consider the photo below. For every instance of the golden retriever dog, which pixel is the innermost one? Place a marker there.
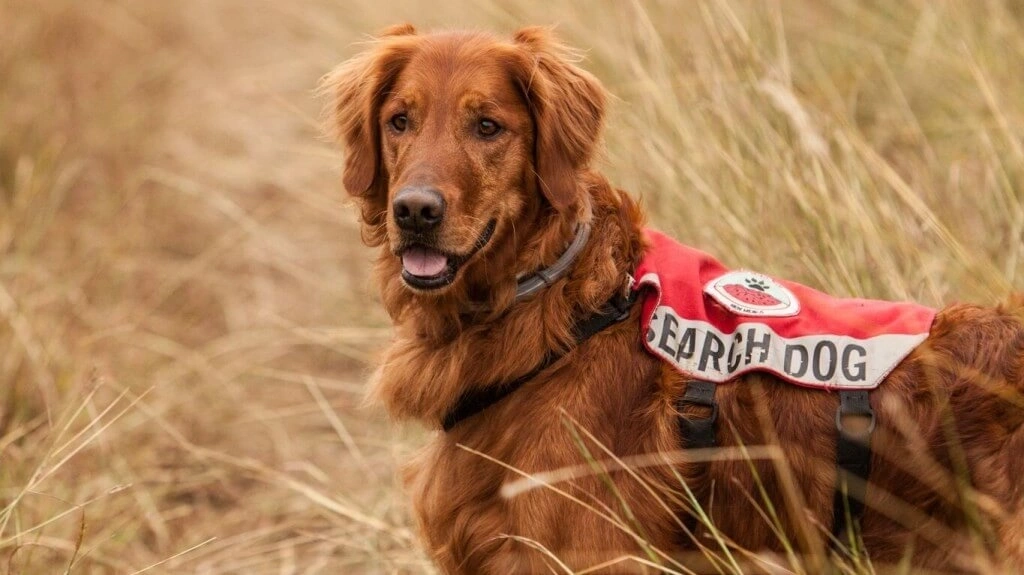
(559, 442)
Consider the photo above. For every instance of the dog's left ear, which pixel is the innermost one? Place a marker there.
(568, 105)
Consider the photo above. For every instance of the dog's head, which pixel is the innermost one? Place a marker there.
(459, 147)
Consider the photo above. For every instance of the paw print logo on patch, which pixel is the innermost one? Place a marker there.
(753, 294)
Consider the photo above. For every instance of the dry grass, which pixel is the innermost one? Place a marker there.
(185, 315)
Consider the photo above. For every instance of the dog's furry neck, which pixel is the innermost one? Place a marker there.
(440, 351)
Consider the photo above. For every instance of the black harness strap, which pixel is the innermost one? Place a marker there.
(698, 432)
(853, 460)
(853, 447)
(473, 402)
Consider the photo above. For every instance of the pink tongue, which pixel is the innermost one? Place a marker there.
(423, 262)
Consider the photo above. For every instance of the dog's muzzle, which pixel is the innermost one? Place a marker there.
(427, 268)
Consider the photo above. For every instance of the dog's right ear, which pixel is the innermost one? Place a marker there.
(356, 90)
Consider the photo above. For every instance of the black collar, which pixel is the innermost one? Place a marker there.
(533, 283)
(473, 402)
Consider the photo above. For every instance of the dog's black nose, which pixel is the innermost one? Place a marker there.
(418, 209)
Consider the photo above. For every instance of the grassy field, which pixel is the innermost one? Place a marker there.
(186, 317)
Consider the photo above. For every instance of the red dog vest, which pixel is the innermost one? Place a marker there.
(715, 324)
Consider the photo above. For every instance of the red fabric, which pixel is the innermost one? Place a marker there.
(674, 277)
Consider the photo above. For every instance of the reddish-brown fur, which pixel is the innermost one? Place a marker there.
(955, 404)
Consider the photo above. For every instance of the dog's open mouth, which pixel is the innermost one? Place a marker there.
(426, 268)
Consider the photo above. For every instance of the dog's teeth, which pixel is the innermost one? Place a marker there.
(423, 262)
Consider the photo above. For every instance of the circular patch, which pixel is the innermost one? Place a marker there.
(753, 294)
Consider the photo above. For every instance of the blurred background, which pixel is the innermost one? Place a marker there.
(186, 314)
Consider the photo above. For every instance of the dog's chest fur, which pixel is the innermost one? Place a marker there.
(470, 526)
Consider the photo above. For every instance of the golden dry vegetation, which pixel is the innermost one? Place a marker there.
(186, 317)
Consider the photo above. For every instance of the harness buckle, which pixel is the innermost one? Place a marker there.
(855, 404)
(624, 305)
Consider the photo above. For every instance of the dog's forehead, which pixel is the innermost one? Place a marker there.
(453, 64)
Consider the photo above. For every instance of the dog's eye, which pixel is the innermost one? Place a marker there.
(487, 128)
(399, 122)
